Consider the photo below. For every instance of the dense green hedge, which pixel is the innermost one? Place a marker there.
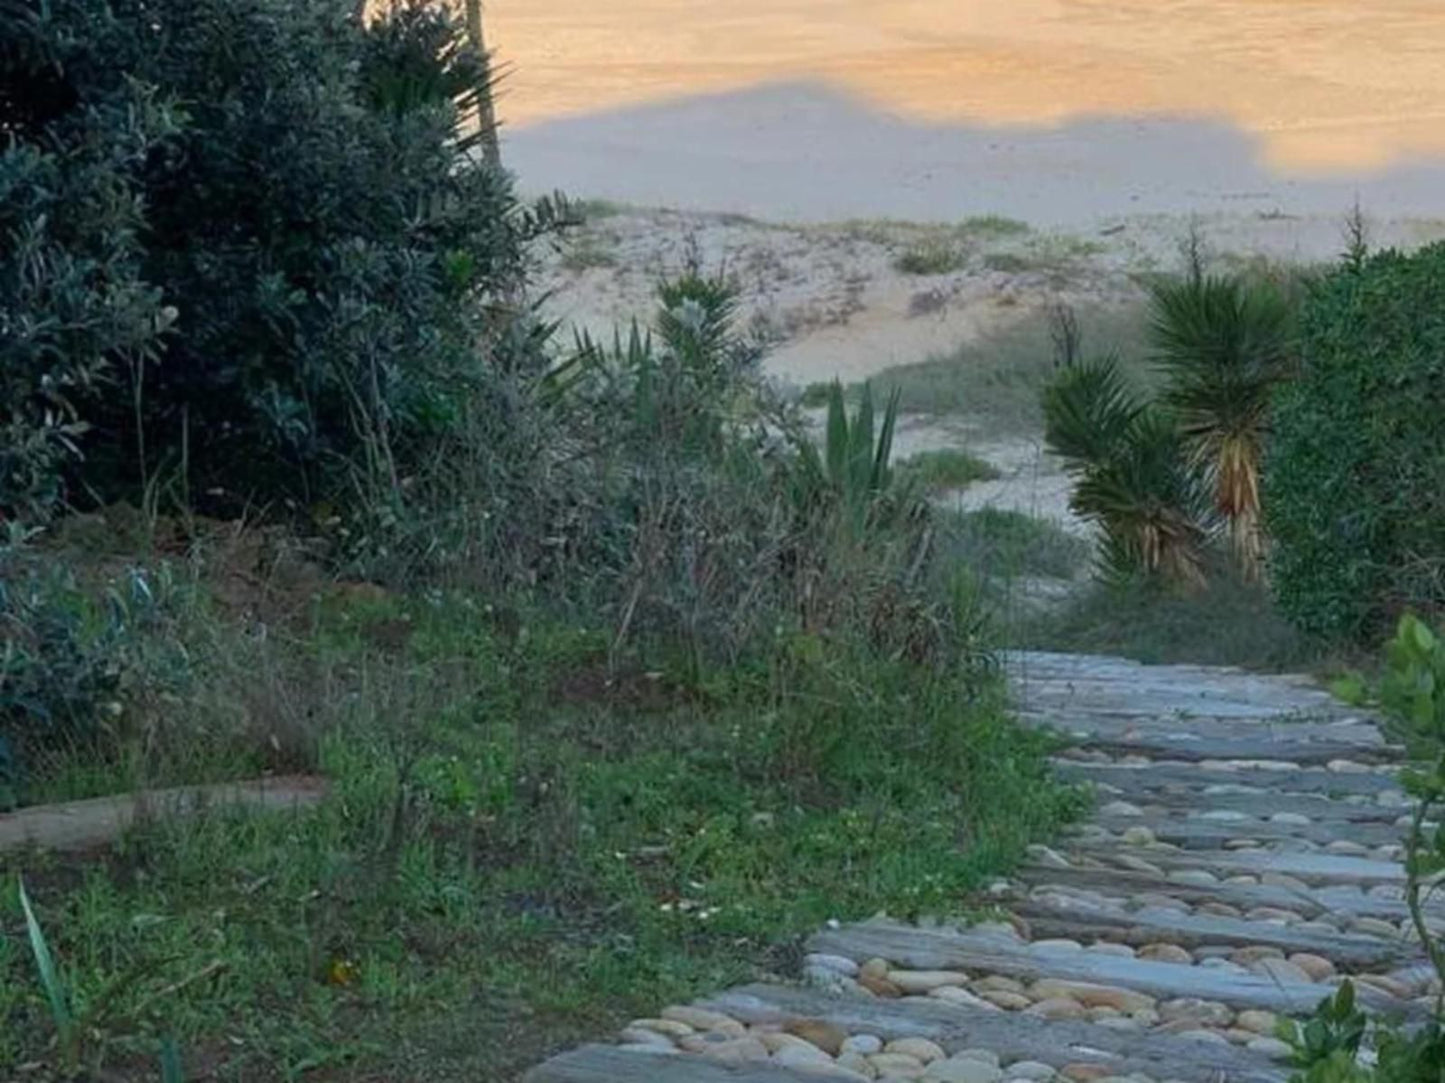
(243, 241)
(1355, 475)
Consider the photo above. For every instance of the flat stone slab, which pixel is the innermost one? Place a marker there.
(1072, 918)
(1309, 867)
(943, 949)
(1342, 900)
(1185, 741)
(1083, 681)
(1151, 777)
(1202, 834)
(1261, 804)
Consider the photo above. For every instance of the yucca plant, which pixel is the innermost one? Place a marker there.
(1131, 474)
(853, 470)
(1223, 342)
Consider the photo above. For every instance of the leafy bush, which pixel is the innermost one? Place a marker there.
(713, 521)
(292, 191)
(1328, 1047)
(68, 663)
(74, 303)
(1352, 493)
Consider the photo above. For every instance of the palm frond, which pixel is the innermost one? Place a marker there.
(1223, 342)
(1089, 411)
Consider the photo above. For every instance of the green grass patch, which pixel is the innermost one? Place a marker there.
(993, 226)
(996, 381)
(591, 210)
(1008, 262)
(589, 251)
(527, 841)
(931, 257)
(945, 469)
(1004, 544)
(1229, 622)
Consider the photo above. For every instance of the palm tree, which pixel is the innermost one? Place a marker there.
(1132, 476)
(1223, 342)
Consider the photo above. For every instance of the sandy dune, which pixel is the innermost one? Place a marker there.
(835, 304)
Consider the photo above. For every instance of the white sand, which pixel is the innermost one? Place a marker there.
(836, 305)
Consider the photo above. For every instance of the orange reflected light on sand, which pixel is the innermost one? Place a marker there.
(1326, 85)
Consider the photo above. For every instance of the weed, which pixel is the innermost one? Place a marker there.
(1229, 622)
(946, 469)
(1008, 262)
(587, 252)
(931, 257)
(996, 381)
(993, 226)
(593, 210)
(1005, 545)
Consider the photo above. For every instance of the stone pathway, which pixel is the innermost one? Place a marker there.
(1244, 857)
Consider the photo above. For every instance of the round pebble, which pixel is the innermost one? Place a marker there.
(962, 1071)
(924, 1050)
(839, 963)
(1033, 1070)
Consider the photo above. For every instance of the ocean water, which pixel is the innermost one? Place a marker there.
(1323, 88)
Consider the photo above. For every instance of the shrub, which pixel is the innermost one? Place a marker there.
(1352, 493)
(934, 257)
(70, 658)
(330, 246)
(74, 305)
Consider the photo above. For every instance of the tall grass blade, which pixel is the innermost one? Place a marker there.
(171, 1071)
(49, 978)
(885, 442)
(837, 435)
(860, 451)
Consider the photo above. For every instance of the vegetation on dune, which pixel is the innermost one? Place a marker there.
(946, 469)
(932, 257)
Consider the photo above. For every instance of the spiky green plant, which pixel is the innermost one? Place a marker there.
(853, 470)
(50, 982)
(1223, 342)
(1131, 474)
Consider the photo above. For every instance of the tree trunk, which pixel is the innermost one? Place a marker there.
(486, 113)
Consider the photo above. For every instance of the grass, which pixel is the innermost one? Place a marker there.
(527, 841)
(588, 251)
(934, 256)
(591, 210)
(997, 380)
(993, 226)
(1003, 544)
(1229, 623)
(945, 469)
